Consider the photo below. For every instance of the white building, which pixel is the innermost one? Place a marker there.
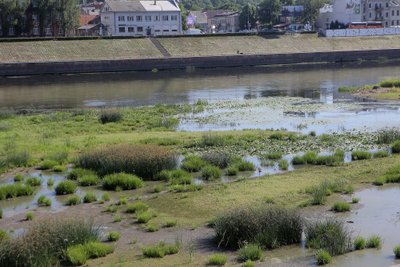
(141, 18)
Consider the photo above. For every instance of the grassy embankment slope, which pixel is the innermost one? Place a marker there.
(43, 51)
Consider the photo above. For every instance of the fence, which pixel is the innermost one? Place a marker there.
(362, 32)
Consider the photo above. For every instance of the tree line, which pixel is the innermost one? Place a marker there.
(61, 16)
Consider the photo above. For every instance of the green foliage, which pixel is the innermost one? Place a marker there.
(78, 172)
(123, 181)
(396, 251)
(388, 136)
(311, 9)
(18, 177)
(175, 176)
(73, 200)
(216, 158)
(396, 147)
(122, 201)
(374, 241)
(320, 192)
(217, 259)
(50, 182)
(232, 170)
(269, 11)
(18, 158)
(3, 235)
(359, 243)
(106, 197)
(348, 89)
(143, 160)
(341, 206)
(298, 160)
(248, 17)
(244, 165)
(193, 163)
(89, 197)
(330, 235)
(360, 155)
(323, 257)
(272, 156)
(152, 228)
(78, 254)
(390, 83)
(379, 181)
(355, 200)
(160, 250)
(47, 165)
(213, 140)
(137, 207)
(65, 188)
(251, 252)
(29, 216)
(170, 223)
(249, 263)
(144, 216)
(381, 154)
(33, 181)
(15, 190)
(267, 226)
(43, 201)
(110, 115)
(113, 236)
(186, 188)
(88, 180)
(210, 172)
(283, 164)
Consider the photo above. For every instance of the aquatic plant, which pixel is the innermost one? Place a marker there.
(341, 206)
(18, 177)
(374, 241)
(251, 252)
(33, 181)
(113, 236)
(390, 83)
(232, 170)
(186, 188)
(105, 197)
(15, 190)
(217, 158)
(283, 164)
(272, 155)
(89, 197)
(360, 155)
(396, 147)
(123, 181)
(355, 200)
(396, 251)
(217, 260)
(193, 163)
(47, 165)
(65, 188)
(88, 180)
(78, 173)
(359, 243)
(73, 200)
(43, 201)
(330, 235)
(323, 257)
(143, 160)
(267, 226)
(29, 216)
(210, 172)
(381, 154)
(175, 176)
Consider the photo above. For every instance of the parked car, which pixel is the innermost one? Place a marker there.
(194, 32)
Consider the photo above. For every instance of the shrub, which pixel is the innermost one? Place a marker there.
(33, 181)
(396, 251)
(283, 164)
(249, 263)
(113, 236)
(192, 163)
(341, 206)
(390, 83)
(374, 241)
(244, 165)
(251, 252)
(330, 235)
(111, 208)
(359, 243)
(143, 160)
(325, 188)
(29, 216)
(47, 165)
(122, 180)
(381, 154)
(137, 207)
(360, 155)
(110, 115)
(157, 189)
(323, 257)
(88, 180)
(396, 147)
(175, 176)
(89, 197)
(267, 226)
(18, 177)
(310, 157)
(43, 201)
(15, 190)
(65, 188)
(78, 172)
(217, 259)
(232, 170)
(144, 216)
(79, 254)
(219, 159)
(355, 200)
(379, 181)
(298, 160)
(122, 201)
(160, 250)
(210, 172)
(73, 200)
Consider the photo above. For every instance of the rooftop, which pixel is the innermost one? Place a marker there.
(138, 6)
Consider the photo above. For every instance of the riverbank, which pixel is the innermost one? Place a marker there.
(80, 56)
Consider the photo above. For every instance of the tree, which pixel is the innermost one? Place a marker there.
(67, 14)
(311, 9)
(12, 15)
(248, 17)
(269, 11)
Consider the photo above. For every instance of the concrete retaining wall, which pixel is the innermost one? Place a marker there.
(15, 69)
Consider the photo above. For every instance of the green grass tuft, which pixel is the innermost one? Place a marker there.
(217, 259)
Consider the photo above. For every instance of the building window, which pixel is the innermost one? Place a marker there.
(130, 18)
(174, 30)
(370, 15)
(121, 29)
(387, 4)
(386, 23)
(392, 22)
(397, 22)
(138, 18)
(147, 18)
(397, 13)
(165, 17)
(387, 14)
(174, 17)
(392, 12)
(157, 18)
(121, 18)
(131, 29)
(165, 30)
(139, 29)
